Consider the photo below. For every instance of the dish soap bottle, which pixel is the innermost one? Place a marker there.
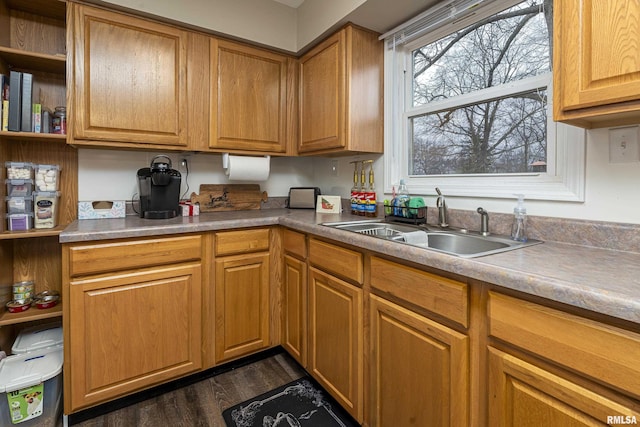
(402, 201)
(519, 227)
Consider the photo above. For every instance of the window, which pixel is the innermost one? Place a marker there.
(468, 91)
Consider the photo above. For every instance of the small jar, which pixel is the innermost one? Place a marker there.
(59, 121)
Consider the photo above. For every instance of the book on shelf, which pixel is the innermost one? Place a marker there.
(15, 96)
(36, 119)
(4, 106)
(26, 102)
(5, 115)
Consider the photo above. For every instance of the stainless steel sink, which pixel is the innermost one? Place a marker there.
(456, 242)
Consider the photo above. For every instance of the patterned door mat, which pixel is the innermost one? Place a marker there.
(299, 403)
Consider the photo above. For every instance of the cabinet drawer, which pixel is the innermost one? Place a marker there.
(123, 255)
(440, 295)
(294, 243)
(605, 353)
(242, 241)
(337, 260)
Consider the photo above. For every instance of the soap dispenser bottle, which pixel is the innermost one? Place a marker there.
(519, 227)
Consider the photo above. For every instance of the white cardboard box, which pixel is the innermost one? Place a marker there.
(101, 209)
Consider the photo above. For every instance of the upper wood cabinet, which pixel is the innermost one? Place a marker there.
(251, 98)
(596, 70)
(341, 93)
(129, 85)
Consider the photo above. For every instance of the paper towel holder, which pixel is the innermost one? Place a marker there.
(225, 160)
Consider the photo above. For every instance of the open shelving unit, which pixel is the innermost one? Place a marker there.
(33, 39)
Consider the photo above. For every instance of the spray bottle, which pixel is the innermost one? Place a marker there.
(355, 190)
(371, 207)
(519, 227)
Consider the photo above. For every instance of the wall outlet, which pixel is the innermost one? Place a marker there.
(334, 168)
(623, 145)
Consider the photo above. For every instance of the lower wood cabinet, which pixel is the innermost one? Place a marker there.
(131, 330)
(522, 394)
(132, 317)
(241, 305)
(294, 306)
(552, 368)
(336, 339)
(419, 369)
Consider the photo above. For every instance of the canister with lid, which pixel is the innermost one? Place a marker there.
(59, 120)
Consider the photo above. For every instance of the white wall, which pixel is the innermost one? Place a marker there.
(111, 174)
(263, 21)
(612, 189)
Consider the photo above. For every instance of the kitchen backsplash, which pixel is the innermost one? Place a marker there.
(601, 234)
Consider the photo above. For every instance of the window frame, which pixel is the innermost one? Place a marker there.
(564, 179)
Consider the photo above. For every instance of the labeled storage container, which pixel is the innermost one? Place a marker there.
(45, 206)
(19, 205)
(47, 177)
(19, 222)
(31, 388)
(16, 170)
(19, 187)
(38, 337)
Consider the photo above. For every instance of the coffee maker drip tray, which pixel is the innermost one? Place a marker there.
(160, 214)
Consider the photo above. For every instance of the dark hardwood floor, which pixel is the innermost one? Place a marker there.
(202, 403)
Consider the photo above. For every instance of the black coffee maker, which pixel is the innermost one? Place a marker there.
(159, 189)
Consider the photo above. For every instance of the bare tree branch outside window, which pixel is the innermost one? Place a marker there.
(500, 135)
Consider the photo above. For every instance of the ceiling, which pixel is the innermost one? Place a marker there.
(291, 3)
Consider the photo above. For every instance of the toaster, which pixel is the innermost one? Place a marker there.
(303, 197)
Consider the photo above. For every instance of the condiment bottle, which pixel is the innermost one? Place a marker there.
(371, 206)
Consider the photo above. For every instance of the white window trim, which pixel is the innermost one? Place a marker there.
(563, 181)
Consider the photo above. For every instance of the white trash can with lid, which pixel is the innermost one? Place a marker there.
(31, 388)
(38, 337)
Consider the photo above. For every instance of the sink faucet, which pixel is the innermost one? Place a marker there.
(484, 221)
(442, 209)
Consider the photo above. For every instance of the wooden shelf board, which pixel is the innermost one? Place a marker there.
(51, 137)
(33, 233)
(21, 59)
(30, 315)
(55, 9)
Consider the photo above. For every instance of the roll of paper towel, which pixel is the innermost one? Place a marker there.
(246, 168)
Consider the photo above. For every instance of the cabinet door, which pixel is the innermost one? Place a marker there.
(241, 305)
(129, 79)
(419, 369)
(522, 394)
(248, 98)
(336, 339)
(130, 331)
(596, 62)
(323, 96)
(294, 325)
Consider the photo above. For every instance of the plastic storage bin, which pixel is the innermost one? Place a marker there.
(47, 177)
(19, 205)
(19, 222)
(45, 206)
(31, 388)
(19, 187)
(17, 170)
(38, 337)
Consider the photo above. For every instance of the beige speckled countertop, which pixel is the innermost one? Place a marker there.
(601, 280)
